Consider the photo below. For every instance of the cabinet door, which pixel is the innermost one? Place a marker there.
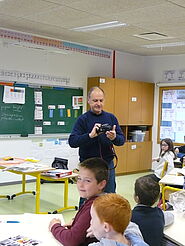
(107, 84)
(121, 100)
(134, 104)
(108, 87)
(147, 103)
(133, 156)
(121, 152)
(145, 156)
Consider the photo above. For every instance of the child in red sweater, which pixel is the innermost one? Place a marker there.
(92, 179)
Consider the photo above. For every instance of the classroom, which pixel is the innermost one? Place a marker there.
(46, 54)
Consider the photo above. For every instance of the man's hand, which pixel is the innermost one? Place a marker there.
(111, 134)
(93, 133)
(52, 222)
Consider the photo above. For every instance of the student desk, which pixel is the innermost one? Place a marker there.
(172, 178)
(34, 226)
(38, 175)
(175, 231)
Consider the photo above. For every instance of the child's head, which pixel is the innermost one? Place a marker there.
(146, 191)
(93, 176)
(110, 213)
(166, 145)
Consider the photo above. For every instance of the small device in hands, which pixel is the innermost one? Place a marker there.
(103, 128)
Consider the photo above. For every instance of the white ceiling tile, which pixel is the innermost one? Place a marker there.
(20, 8)
(54, 18)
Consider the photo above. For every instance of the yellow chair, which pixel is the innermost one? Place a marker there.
(166, 190)
(2, 196)
(165, 168)
(163, 173)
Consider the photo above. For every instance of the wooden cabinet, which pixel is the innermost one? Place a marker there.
(141, 103)
(134, 157)
(121, 100)
(132, 103)
(121, 152)
(147, 103)
(107, 84)
(145, 156)
(139, 156)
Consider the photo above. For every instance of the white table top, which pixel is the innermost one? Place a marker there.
(34, 226)
(172, 180)
(175, 232)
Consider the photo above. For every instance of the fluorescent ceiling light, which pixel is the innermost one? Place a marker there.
(100, 26)
(150, 46)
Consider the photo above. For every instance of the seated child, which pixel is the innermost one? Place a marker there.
(93, 175)
(166, 154)
(110, 216)
(180, 152)
(151, 220)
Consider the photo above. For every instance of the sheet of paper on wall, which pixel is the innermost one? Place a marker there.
(38, 97)
(38, 130)
(38, 113)
(77, 101)
(14, 95)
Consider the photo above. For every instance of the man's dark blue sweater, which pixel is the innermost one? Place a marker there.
(99, 146)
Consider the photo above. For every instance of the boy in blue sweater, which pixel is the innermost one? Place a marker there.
(151, 220)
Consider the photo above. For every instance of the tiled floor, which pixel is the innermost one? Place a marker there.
(52, 196)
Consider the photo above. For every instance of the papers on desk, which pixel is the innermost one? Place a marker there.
(181, 172)
(32, 226)
(27, 167)
(20, 240)
(59, 173)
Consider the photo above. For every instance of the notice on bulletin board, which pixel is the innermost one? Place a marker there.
(14, 95)
(172, 122)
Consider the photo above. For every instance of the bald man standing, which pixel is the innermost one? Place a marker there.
(87, 135)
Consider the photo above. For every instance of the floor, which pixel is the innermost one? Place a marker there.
(52, 196)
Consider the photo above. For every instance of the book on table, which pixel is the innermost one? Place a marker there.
(59, 173)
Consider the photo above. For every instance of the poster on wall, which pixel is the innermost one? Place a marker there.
(172, 122)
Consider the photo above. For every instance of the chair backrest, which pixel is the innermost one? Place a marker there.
(165, 168)
(166, 191)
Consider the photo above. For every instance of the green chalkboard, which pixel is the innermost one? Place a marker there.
(59, 115)
(17, 118)
(63, 116)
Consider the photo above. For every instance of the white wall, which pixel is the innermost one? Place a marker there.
(129, 66)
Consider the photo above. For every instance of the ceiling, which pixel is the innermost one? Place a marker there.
(55, 18)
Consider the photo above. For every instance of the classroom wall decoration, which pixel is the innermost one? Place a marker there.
(45, 111)
(21, 38)
(28, 77)
(172, 114)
